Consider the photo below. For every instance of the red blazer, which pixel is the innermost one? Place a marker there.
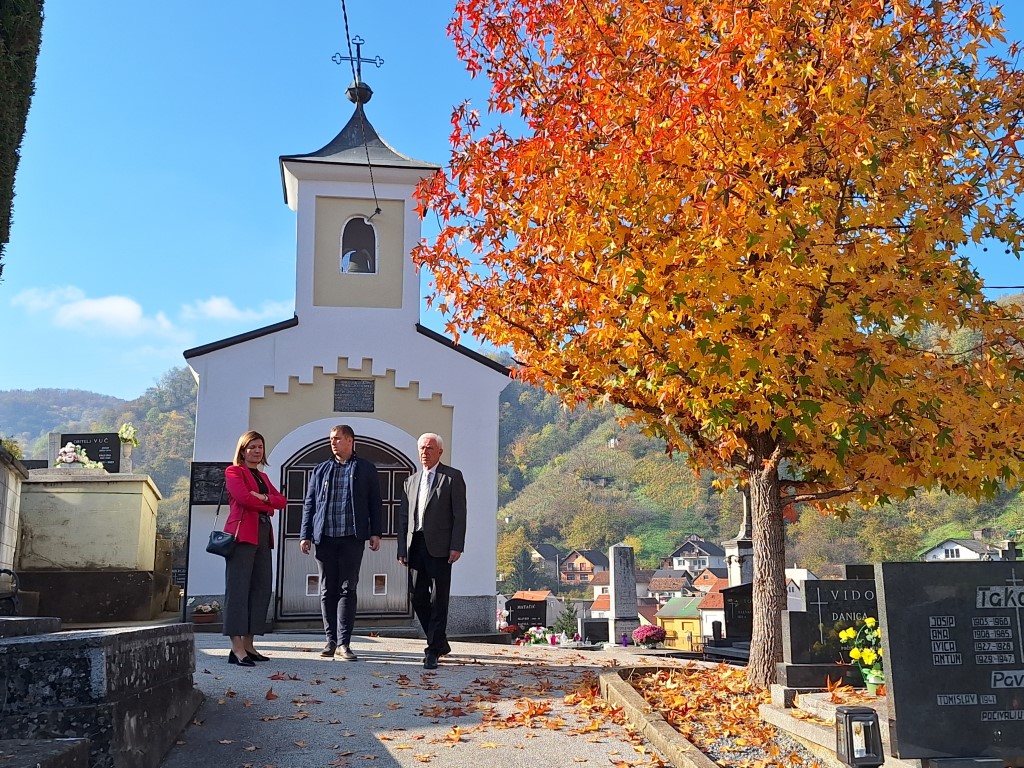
(244, 519)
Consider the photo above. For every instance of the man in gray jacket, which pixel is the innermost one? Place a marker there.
(431, 537)
(341, 510)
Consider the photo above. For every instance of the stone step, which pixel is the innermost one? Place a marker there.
(810, 718)
(44, 753)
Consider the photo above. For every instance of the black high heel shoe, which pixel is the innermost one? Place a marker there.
(257, 656)
(245, 661)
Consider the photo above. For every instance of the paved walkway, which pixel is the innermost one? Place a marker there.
(485, 706)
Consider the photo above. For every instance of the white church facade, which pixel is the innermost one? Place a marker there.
(354, 353)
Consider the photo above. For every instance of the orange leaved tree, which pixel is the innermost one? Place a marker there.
(740, 219)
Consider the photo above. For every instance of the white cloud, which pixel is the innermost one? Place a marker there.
(222, 308)
(114, 316)
(36, 300)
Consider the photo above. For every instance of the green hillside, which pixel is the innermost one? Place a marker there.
(571, 478)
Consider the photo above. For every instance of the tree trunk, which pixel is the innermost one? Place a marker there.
(769, 577)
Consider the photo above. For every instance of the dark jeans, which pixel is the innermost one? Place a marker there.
(431, 585)
(338, 560)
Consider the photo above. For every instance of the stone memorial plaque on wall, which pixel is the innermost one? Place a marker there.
(954, 658)
(207, 482)
(104, 447)
(353, 395)
(527, 613)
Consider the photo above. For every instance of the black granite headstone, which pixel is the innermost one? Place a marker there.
(527, 613)
(739, 611)
(953, 642)
(594, 630)
(104, 447)
(832, 606)
(859, 571)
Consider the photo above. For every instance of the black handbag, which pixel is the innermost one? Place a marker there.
(221, 542)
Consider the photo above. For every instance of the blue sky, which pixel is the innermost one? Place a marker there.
(148, 212)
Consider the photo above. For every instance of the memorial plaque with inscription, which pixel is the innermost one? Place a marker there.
(207, 482)
(104, 447)
(954, 658)
(353, 395)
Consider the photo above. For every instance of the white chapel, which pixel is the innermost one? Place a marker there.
(354, 353)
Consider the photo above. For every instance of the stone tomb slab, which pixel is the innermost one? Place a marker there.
(129, 691)
(954, 658)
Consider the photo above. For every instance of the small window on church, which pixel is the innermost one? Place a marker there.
(358, 247)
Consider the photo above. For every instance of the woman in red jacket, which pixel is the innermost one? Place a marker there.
(248, 585)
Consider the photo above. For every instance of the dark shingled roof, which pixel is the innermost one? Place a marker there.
(347, 148)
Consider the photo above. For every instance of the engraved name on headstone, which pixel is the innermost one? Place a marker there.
(527, 613)
(104, 447)
(954, 658)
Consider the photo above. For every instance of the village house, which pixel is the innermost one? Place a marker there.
(579, 567)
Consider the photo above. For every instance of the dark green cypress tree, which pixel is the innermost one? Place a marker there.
(21, 24)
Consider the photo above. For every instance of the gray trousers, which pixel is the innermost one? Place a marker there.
(247, 586)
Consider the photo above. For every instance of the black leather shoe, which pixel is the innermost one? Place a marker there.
(328, 651)
(430, 660)
(245, 661)
(257, 656)
(445, 649)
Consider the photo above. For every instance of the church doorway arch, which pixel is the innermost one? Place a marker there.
(383, 589)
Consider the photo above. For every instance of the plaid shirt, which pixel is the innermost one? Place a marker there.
(340, 518)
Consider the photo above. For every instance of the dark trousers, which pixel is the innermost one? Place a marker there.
(338, 560)
(431, 584)
(247, 586)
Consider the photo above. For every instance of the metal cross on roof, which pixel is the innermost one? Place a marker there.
(357, 59)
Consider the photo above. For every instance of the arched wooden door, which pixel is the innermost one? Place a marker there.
(383, 581)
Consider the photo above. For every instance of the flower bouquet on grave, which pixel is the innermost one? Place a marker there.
(648, 635)
(865, 650)
(536, 636)
(72, 455)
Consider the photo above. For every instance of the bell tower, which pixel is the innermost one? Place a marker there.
(356, 221)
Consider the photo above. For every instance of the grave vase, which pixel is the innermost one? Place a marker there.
(873, 680)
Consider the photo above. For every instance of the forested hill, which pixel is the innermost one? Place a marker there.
(574, 479)
(164, 417)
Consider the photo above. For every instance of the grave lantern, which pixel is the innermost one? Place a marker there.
(858, 737)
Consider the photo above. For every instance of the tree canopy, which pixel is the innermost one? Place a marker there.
(737, 219)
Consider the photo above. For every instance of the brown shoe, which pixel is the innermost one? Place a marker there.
(329, 650)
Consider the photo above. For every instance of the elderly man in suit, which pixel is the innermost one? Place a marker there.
(431, 537)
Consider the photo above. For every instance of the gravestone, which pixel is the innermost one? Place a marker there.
(623, 616)
(594, 630)
(953, 642)
(527, 613)
(738, 603)
(104, 447)
(811, 650)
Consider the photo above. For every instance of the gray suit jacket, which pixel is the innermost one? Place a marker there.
(444, 519)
